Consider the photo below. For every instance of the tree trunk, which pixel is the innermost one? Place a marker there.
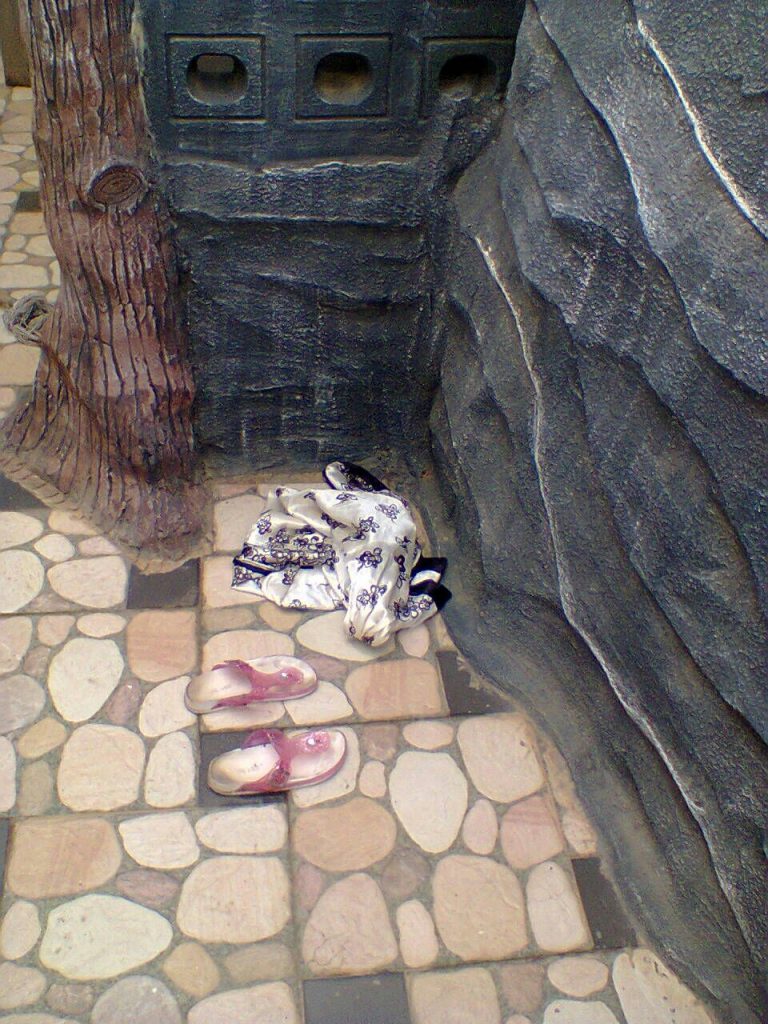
(108, 429)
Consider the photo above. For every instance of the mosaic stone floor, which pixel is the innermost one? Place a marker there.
(447, 875)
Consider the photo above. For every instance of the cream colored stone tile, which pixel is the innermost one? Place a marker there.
(161, 841)
(418, 942)
(191, 969)
(429, 795)
(464, 995)
(401, 688)
(234, 899)
(99, 936)
(479, 908)
(346, 837)
(272, 1003)
(349, 930)
(61, 856)
(500, 754)
(101, 768)
(557, 918)
(150, 656)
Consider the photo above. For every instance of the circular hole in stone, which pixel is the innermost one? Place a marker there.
(217, 78)
(344, 78)
(467, 74)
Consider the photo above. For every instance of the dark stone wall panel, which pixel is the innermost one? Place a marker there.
(606, 344)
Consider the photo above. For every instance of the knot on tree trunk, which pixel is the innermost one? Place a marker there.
(119, 186)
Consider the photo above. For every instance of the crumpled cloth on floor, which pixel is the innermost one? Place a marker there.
(352, 545)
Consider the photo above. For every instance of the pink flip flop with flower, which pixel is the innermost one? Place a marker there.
(271, 761)
(237, 684)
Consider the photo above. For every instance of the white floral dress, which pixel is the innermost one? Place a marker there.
(352, 545)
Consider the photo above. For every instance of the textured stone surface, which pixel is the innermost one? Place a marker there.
(380, 741)
(578, 976)
(19, 986)
(522, 985)
(217, 585)
(160, 840)
(564, 1011)
(372, 781)
(307, 884)
(346, 837)
(234, 899)
(82, 675)
(244, 830)
(140, 999)
(66, 522)
(100, 768)
(267, 961)
(101, 624)
(403, 688)
(55, 547)
(15, 638)
(61, 856)
(283, 619)
(481, 827)
(478, 908)
(500, 756)
(21, 701)
(605, 283)
(263, 1004)
(414, 641)
(529, 833)
(150, 656)
(326, 704)
(92, 582)
(163, 709)
(7, 774)
(17, 529)
(405, 873)
(191, 969)
(150, 888)
(428, 735)
(35, 794)
(418, 942)
(648, 990)
(429, 795)
(21, 579)
(245, 644)
(170, 776)
(69, 999)
(122, 706)
(20, 930)
(53, 630)
(557, 920)
(326, 635)
(233, 520)
(99, 936)
(349, 931)
(455, 996)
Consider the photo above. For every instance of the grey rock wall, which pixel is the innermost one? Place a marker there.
(600, 433)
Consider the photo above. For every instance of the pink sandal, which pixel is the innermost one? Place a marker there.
(236, 684)
(269, 761)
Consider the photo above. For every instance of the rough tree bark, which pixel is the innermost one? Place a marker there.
(108, 429)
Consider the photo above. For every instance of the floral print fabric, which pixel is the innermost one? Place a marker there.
(349, 546)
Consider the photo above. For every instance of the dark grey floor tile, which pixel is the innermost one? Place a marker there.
(177, 589)
(5, 830)
(465, 694)
(376, 999)
(211, 745)
(28, 201)
(609, 924)
(14, 497)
